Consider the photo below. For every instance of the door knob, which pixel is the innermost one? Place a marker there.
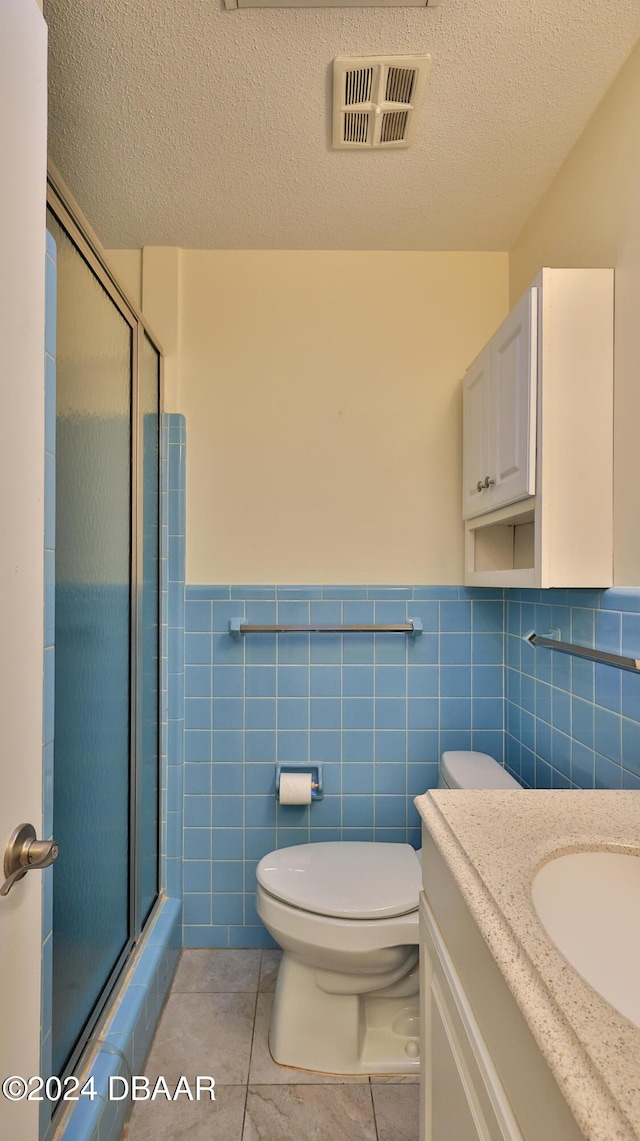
(24, 852)
(487, 482)
(479, 485)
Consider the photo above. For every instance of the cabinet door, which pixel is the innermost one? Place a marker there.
(453, 1109)
(512, 415)
(475, 434)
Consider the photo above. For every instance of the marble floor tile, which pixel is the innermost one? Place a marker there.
(397, 1110)
(217, 1022)
(269, 970)
(217, 970)
(315, 1113)
(204, 1034)
(189, 1120)
(264, 1071)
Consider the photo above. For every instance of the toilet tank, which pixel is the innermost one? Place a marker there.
(465, 769)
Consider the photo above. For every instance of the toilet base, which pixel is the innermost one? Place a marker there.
(371, 1033)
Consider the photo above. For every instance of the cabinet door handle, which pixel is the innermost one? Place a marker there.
(479, 485)
(487, 482)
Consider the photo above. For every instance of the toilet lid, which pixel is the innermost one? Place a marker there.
(347, 880)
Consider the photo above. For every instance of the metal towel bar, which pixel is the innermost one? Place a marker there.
(412, 626)
(592, 655)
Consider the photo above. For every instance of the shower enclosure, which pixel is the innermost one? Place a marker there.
(107, 630)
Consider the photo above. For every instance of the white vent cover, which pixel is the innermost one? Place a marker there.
(376, 100)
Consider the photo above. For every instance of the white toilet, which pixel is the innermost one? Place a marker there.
(346, 917)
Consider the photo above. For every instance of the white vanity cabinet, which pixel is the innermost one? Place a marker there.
(483, 1076)
(463, 1096)
(538, 439)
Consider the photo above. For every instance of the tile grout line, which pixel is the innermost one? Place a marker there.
(373, 1108)
(253, 1038)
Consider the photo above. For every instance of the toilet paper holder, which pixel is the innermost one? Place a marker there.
(316, 777)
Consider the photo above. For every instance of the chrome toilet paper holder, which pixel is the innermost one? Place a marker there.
(316, 777)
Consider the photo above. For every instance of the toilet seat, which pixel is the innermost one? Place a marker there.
(348, 880)
(337, 941)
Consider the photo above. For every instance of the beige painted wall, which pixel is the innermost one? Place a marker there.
(591, 217)
(322, 396)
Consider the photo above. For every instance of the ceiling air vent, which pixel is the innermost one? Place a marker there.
(357, 85)
(376, 100)
(356, 127)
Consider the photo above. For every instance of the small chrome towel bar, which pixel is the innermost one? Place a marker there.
(238, 626)
(592, 655)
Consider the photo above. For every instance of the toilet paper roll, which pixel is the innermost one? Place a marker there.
(295, 788)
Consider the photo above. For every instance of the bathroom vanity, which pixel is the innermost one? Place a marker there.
(516, 1045)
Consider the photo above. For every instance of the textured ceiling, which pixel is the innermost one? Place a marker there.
(179, 123)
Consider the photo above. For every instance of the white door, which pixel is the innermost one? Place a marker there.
(23, 110)
(512, 443)
(475, 420)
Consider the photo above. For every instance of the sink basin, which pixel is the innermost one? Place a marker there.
(589, 904)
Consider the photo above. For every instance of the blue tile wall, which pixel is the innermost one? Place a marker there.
(571, 723)
(376, 710)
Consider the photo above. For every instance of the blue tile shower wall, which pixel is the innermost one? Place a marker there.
(571, 723)
(375, 710)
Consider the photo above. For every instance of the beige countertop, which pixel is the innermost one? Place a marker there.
(493, 843)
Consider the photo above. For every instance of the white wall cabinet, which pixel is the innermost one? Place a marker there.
(538, 439)
(499, 403)
(475, 443)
